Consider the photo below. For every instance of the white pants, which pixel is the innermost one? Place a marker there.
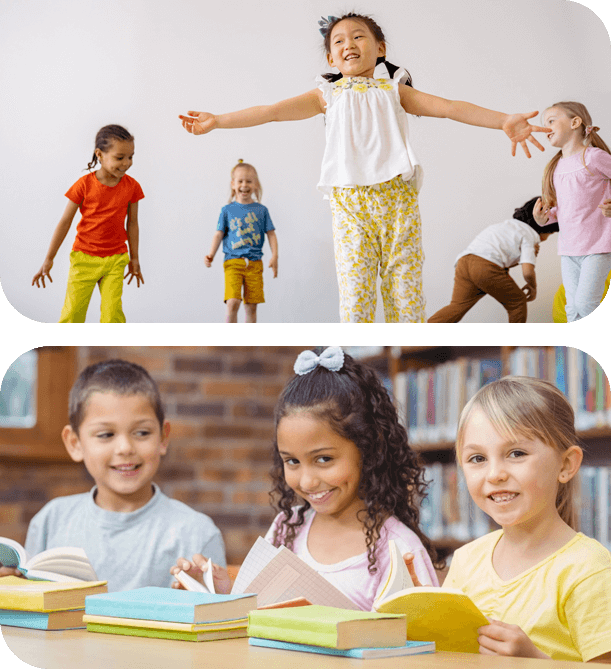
(584, 283)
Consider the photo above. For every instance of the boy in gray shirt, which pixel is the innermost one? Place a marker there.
(130, 531)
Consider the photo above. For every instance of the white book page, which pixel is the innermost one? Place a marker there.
(258, 556)
(398, 576)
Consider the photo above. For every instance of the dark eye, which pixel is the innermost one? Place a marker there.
(476, 459)
(291, 461)
(517, 454)
(324, 459)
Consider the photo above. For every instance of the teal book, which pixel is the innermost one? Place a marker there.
(37, 620)
(410, 648)
(170, 605)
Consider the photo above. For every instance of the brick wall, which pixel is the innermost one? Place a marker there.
(220, 402)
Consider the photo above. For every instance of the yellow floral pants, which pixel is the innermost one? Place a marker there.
(377, 228)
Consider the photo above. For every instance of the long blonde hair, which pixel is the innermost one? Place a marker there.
(572, 109)
(521, 406)
(258, 189)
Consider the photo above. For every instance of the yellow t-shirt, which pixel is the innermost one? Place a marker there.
(563, 603)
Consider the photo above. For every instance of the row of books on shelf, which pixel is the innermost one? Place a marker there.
(449, 512)
(430, 400)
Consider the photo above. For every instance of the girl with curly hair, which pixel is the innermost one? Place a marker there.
(345, 480)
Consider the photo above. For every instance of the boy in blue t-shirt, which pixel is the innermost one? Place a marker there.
(242, 227)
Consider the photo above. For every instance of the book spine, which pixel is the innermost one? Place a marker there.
(319, 634)
(179, 613)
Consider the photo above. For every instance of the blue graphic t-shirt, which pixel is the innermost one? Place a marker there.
(244, 226)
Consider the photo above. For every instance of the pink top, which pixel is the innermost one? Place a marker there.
(583, 227)
(351, 576)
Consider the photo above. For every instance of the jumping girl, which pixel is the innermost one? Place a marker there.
(370, 171)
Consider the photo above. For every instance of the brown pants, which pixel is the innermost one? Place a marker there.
(476, 277)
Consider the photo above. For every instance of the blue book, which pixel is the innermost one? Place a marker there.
(169, 605)
(53, 620)
(410, 648)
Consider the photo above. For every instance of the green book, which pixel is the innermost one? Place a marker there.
(328, 627)
(213, 635)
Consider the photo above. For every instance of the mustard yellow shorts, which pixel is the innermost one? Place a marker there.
(247, 273)
(85, 272)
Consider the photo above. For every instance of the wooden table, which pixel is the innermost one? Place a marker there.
(79, 649)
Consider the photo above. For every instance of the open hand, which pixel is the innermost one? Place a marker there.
(518, 129)
(539, 214)
(42, 272)
(198, 123)
(133, 272)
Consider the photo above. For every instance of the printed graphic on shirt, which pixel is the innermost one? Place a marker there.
(245, 231)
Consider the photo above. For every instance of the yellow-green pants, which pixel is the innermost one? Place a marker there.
(377, 228)
(85, 272)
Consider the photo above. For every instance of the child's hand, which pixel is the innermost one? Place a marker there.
(208, 260)
(273, 264)
(133, 272)
(42, 272)
(518, 129)
(605, 206)
(539, 214)
(499, 638)
(198, 123)
(408, 558)
(530, 291)
(10, 571)
(195, 569)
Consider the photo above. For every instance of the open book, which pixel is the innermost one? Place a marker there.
(443, 615)
(278, 575)
(56, 564)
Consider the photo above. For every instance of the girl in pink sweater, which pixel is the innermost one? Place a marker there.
(577, 194)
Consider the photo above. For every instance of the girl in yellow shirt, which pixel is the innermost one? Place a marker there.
(545, 588)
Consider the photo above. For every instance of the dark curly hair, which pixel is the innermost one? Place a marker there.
(357, 407)
(104, 140)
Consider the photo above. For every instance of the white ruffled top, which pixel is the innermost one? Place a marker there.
(367, 132)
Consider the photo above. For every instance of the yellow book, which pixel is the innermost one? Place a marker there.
(211, 631)
(45, 596)
(443, 615)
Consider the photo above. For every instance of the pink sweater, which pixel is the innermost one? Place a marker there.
(583, 228)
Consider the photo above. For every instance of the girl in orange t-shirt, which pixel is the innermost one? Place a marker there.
(100, 251)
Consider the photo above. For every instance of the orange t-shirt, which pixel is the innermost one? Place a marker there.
(101, 230)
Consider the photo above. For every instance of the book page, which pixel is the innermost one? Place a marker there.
(12, 554)
(287, 577)
(258, 556)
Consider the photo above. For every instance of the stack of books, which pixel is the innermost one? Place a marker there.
(331, 631)
(165, 613)
(45, 605)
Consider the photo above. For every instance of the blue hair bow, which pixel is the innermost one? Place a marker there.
(324, 24)
(331, 358)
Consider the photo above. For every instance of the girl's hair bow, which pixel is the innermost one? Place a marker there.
(331, 358)
(324, 24)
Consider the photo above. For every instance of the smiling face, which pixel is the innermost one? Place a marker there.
(514, 480)
(320, 465)
(244, 184)
(121, 443)
(116, 160)
(353, 49)
(565, 128)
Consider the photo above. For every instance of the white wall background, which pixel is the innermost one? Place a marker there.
(71, 66)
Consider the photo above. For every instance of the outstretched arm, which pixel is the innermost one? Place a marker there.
(515, 126)
(294, 109)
